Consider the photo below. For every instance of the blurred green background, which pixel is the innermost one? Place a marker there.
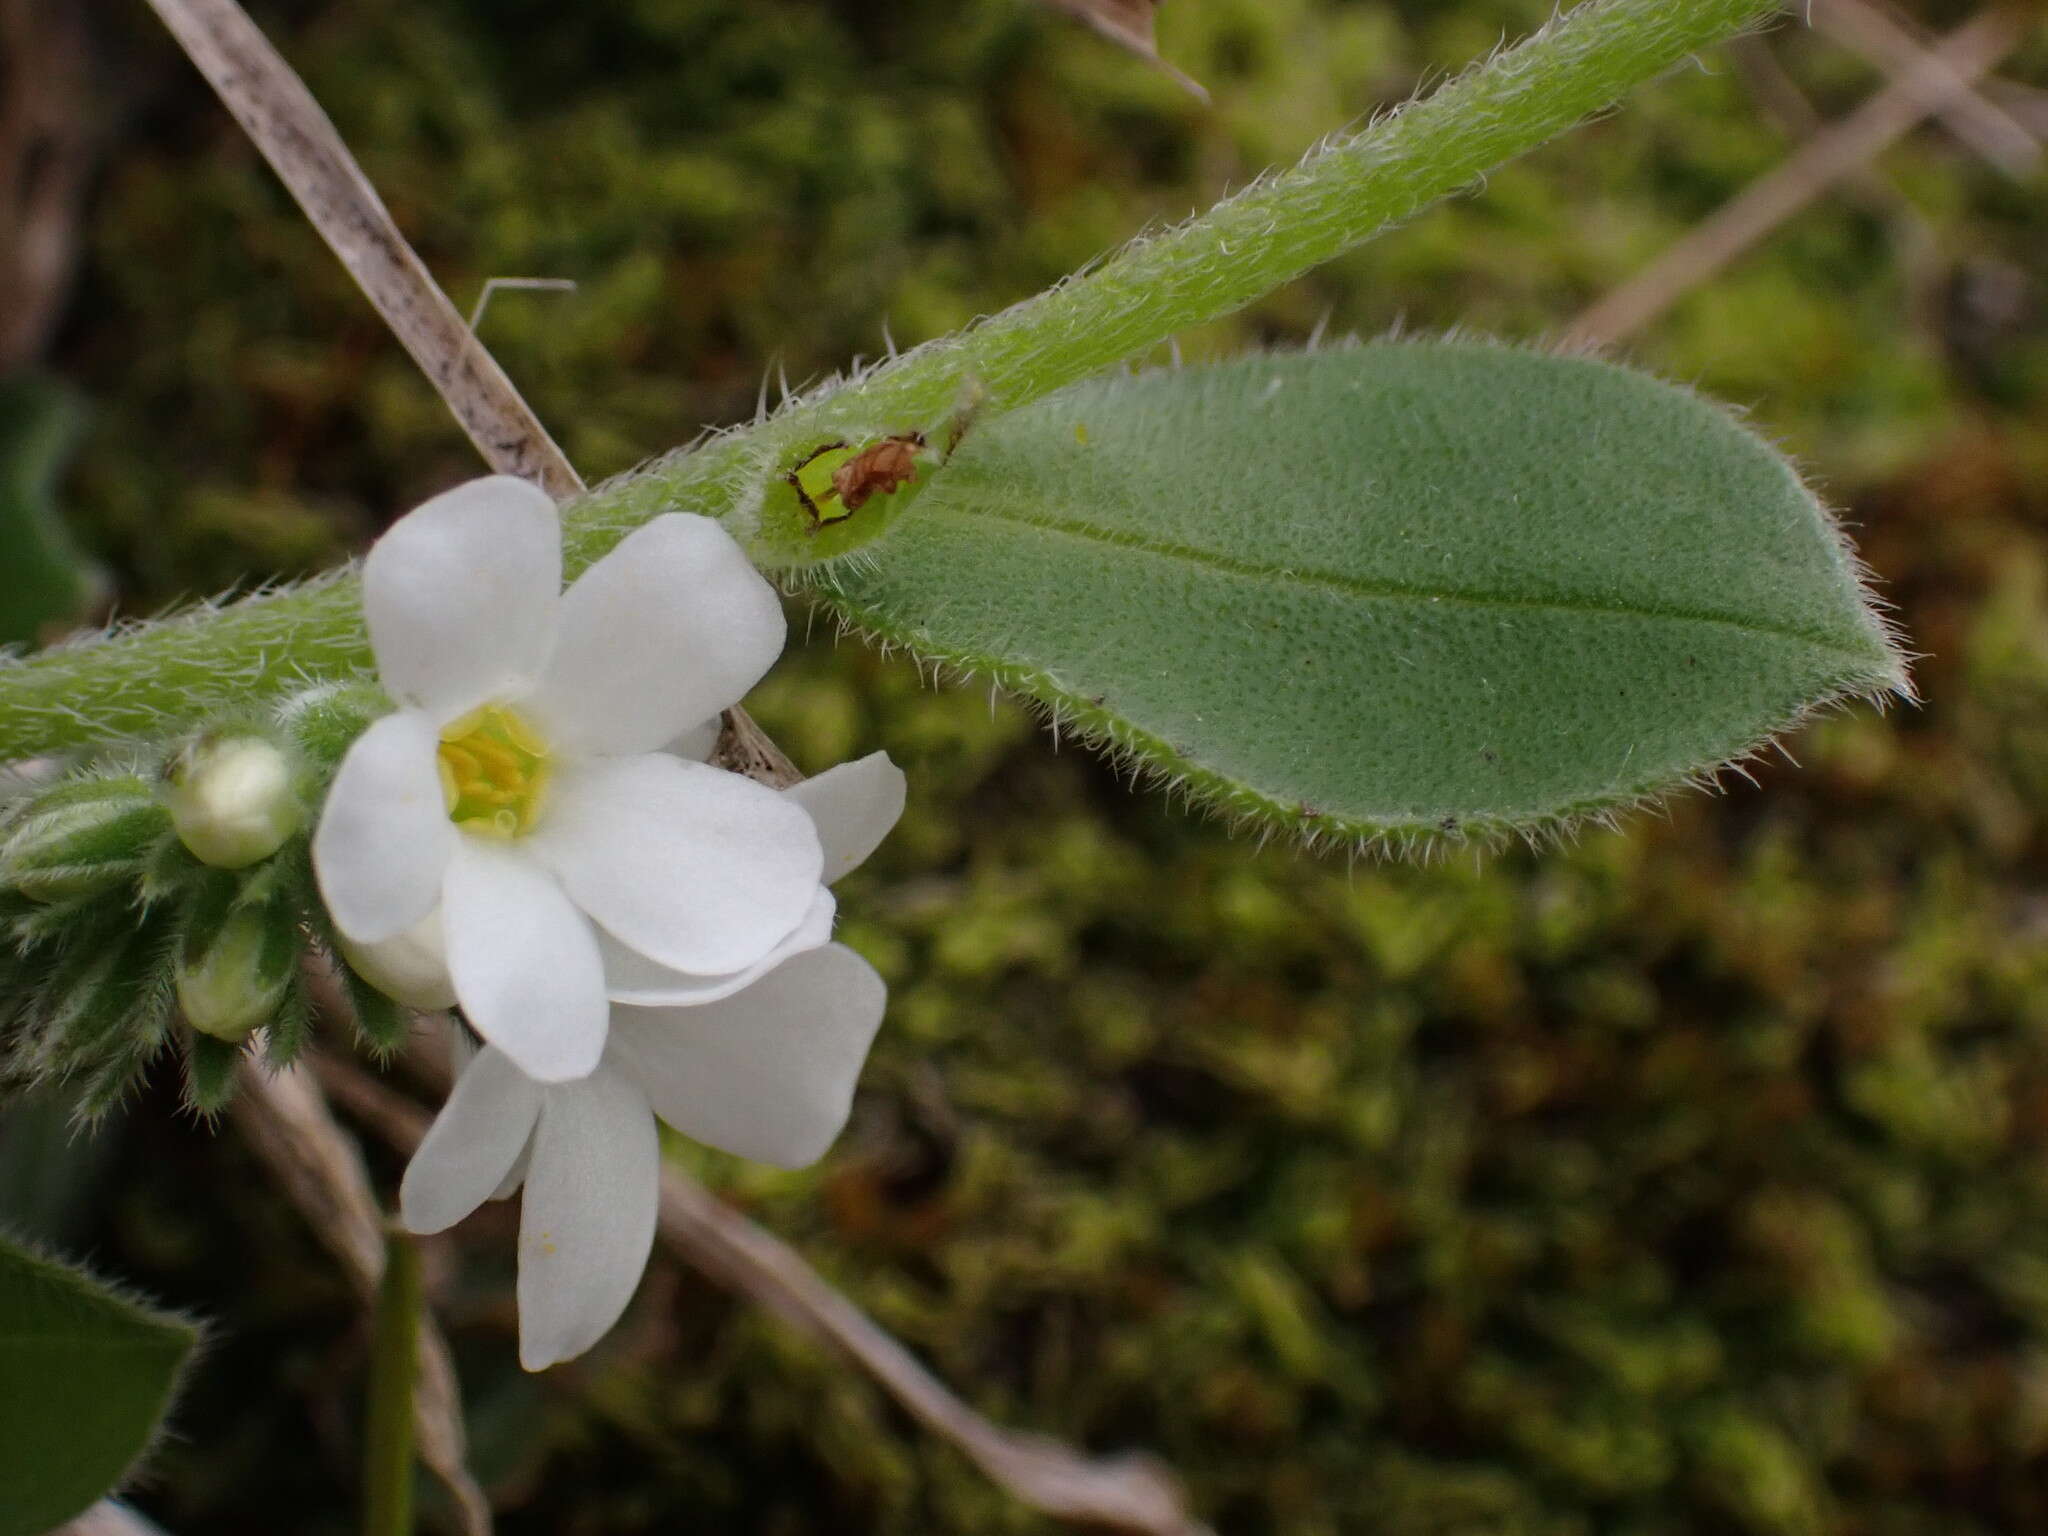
(1690, 1178)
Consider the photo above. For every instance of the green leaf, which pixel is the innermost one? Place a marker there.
(47, 584)
(210, 1072)
(382, 1023)
(1396, 591)
(86, 1376)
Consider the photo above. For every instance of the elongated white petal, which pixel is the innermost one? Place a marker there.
(630, 977)
(696, 868)
(854, 805)
(661, 634)
(588, 1220)
(769, 1072)
(524, 962)
(461, 595)
(472, 1145)
(384, 837)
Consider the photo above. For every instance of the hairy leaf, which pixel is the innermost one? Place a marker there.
(86, 1375)
(1396, 591)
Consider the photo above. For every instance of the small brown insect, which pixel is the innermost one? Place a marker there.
(885, 467)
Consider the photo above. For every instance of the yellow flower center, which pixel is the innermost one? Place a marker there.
(494, 772)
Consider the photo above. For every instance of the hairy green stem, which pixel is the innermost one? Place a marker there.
(149, 681)
(387, 1433)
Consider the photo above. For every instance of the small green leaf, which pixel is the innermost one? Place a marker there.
(86, 1376)
(1397, 591)
(382, 1023)
(210, 1072)
(47, 584)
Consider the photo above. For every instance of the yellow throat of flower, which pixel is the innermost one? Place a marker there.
(494, 772)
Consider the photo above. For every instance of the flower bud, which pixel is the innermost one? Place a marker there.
(235, 982)
(410, 967)
(232, 800)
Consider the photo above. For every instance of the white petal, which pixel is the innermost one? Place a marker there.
(588, 1219)
(630, 977)
(475, 1140)
(462, 1045)
(768, 1073)
(524, 961)
(854, 804)
(461, 594)
(697, 868)
(696, 744)
(384, 836)
(515, 1175)
(660, 635)
(409, 967)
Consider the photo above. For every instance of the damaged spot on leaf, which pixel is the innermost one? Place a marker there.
(884, 467)
(836, 480)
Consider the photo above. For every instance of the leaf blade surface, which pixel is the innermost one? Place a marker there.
(1393, 590)
(86, 1375)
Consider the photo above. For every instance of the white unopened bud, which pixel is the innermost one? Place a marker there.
(234, 985)
(232, 800)
(410, 967)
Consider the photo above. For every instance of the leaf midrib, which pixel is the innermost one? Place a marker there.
(1384, 591)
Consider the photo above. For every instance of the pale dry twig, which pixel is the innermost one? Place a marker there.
(45, 151)
(1980, 123)
(1131, 24)
(1962, 58)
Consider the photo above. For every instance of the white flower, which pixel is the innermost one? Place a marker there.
(519, 790)
(766, 1072)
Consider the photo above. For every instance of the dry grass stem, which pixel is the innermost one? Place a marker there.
(1130, 24)
(287, 125)
(1961, 59)
(1981, 124)
(45, 151)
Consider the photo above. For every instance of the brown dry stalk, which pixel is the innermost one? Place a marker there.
(288, 1125)
(1131, 24)
(1131, 1493)
(287, 125)
(299, 140)
(1983, 125)
(46, 143)
(1955, 65)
